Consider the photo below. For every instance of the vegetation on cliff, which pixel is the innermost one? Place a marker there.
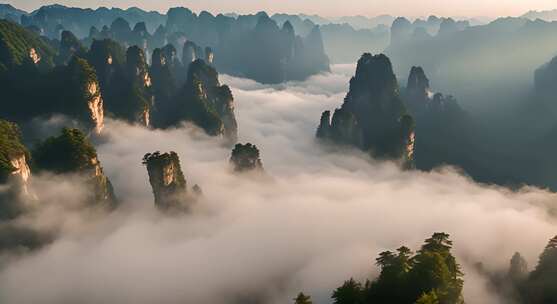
(10, 147)
(168, 182)
(71, 152)
(245, 157)
(17, 44)
(373, 116)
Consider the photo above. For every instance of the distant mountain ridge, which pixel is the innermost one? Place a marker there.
(80, 20)
(345, 38)
(549, 15)
(9, 12)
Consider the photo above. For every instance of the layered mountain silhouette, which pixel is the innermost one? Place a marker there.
(241, 46)
(373, 116)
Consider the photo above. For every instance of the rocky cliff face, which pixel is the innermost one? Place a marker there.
(72, 153)
(125, 80)
(168, 182)
(164, 90)
(71, 89)
(439, 119)
(316, 59)
(21, 171)
(14, 171)
(79, 95)
(418, 94)
(190, 53)
(209, 55)
(102, 187)
(373, 116)
(207, 103)
(201, 100)
(422, 101)
(96, 106)
(107, 57)
(139, 99)
(15, 194)
(69, 46)
(246, 158)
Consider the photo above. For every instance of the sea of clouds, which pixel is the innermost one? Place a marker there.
(319, 217)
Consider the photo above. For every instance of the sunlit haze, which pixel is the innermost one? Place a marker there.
(278, 151)
(491, 8)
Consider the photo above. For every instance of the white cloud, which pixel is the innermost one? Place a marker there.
(322, 218)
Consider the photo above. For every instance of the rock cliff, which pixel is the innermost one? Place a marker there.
(14, 171)
(373, 116)
(168, 182)
(72, 153)
(245, 157)
(444, 128)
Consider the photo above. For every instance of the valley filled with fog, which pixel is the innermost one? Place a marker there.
(315, 220)
(221, 158)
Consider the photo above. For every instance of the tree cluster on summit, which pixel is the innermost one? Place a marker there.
(432, 275)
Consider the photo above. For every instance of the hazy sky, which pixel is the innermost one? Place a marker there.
(489, 8)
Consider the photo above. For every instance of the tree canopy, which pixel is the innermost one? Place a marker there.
(431, 275)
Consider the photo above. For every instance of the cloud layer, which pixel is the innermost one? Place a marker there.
(322, 216)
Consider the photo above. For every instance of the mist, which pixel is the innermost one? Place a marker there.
(488, 68)
(322, 215)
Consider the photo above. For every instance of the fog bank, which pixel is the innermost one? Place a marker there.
(321, 218)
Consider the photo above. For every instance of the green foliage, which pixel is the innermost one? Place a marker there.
(76, 79)
(428, 298)
(435, 268)
(302, 299)
(16, 42)
(68, 152)
(541, 286)
(246, 158)
(200, 110)
(71, 152)
(30, 92)
(349, 293)
(69, 46)
(101, 50)
(10, 146)
(203, 95)
(431, 275)
(518, 270)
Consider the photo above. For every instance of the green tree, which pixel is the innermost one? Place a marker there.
(541, 287)
(428, 298)
(518, 270)
(435, 268)
(246, 158)
(302, 299)
(392, 281)
(349, 293)
(432, 275)
(10, 146)
(69, 152)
